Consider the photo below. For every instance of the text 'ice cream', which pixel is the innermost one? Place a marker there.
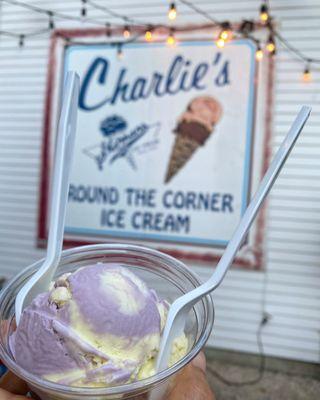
(99, 326)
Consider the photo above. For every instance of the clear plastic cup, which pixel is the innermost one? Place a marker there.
(168, 276)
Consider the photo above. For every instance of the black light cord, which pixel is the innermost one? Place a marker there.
(56, 14)
(262, 366)
(25, 35)
(295, 51)
(135, 23)
(199, 11)
(114, 14)
(282, 40)
(115, 43)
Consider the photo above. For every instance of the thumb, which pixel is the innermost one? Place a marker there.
(191, 382)
(12, 384)
(4, 395)
(200, 362)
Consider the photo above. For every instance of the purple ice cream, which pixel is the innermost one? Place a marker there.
(98, 326)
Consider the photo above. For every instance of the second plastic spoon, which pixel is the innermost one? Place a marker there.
(180, 308)
(40, 281)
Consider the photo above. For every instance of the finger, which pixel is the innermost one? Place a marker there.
(13, 384)
(191, 384)
(4, 395)
(200, 362)
(5, 324)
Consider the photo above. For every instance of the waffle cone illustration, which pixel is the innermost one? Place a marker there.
(193, 129)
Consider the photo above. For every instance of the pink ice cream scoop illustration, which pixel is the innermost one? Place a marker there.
(193, 129)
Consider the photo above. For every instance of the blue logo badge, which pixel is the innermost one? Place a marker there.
(120, 142)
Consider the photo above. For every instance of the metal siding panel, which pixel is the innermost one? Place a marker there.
(291, 281)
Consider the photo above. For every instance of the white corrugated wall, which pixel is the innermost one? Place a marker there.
(289, 289)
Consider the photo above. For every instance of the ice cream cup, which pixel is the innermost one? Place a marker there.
(168, 276)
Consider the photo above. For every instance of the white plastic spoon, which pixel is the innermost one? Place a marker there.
(40, 281)
(180, 308)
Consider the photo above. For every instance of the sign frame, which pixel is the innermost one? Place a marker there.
(192, 255)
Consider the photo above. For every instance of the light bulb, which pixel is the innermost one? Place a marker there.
(84, 9)
(119, 53)
(264, 14)
(220, 43)
(51, 22)
(224, 35)
(172, 13)
(246, 27)
(21, 41)
(171, 40)
(307, 76)
(126, 32)
(259, 54)
(108, 30)
(271, 47)
(148, 35)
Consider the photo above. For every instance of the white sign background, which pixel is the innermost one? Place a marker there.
(221, 166)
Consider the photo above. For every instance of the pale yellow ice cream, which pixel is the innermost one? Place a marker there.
(97, 327)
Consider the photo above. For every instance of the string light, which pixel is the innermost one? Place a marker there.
(148, 34)
(108, 30)
(51, 22)
(226, 33)
(246, 27)
(126, 32)
(220, 43)
(264, 13)
(259, 53)
(21, 40)
(271, 45)
(307, 76)
(119, 52)
(84, 8)
(171, 40)
(172, 13)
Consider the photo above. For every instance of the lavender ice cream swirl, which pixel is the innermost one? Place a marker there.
(98, 326)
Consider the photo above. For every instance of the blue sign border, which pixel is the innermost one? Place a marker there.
(247, 161)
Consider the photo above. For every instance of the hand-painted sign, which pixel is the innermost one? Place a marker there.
(164, 147)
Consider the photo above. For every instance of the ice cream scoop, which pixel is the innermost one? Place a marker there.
(98, 326)
(193, 129)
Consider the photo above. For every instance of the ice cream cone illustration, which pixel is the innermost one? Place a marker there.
(193, 129)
